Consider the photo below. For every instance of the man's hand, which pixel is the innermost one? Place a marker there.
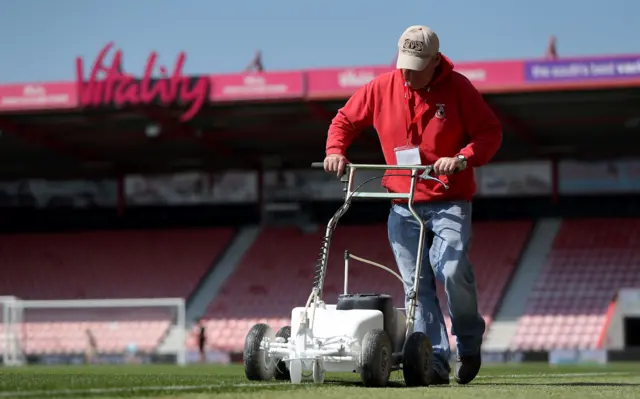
(447, 166)
(335, 163)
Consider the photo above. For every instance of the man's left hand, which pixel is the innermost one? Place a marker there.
(447, 166)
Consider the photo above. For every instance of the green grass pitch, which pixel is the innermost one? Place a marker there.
(228, 382)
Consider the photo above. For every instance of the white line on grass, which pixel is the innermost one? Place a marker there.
(178, 388)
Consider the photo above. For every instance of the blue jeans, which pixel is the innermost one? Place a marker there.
(447, 260)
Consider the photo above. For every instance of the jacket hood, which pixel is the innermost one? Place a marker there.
(443, 70)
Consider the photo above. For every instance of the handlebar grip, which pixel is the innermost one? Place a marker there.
(456, 170)
(317, 165)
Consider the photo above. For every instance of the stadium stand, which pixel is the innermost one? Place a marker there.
(98, 265)
(590, 261)
(277, 272)
(69, 149)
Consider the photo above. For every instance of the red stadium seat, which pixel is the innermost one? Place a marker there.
(97, 265)
(590, 261)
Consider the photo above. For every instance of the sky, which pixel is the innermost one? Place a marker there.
(40, 39)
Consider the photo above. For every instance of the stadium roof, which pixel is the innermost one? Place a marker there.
(108, 123)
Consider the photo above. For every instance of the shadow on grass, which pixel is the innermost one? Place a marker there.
(400, 384)
(559, 384)
(359, 384)
(390, 384)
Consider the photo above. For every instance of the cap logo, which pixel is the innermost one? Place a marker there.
(412, 46)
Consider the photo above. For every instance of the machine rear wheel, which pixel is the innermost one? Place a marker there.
(376, 359)
(282, 371)
(416, 362)
(258, 366)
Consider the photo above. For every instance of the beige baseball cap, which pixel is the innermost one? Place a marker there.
(416, 47)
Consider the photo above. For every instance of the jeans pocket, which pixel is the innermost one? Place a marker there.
(401, 210)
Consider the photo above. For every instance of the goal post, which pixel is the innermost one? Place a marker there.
(10, 331)
(93, 330)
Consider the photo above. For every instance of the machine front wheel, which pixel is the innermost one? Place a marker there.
(282, 371)
(376, 358)
(416, 362)
(318, 371)
(258, 366)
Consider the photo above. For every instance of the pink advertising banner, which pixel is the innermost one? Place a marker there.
(257, 86)
(344, 81)
(493, 76)
(100, 82)
(38, 96)
(340, 82)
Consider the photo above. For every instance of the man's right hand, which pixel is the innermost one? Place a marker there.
(335, 163)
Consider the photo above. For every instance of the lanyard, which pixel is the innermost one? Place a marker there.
(410, 122)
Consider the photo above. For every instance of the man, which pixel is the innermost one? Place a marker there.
(91, 352)
(202, 340)
(426, 113)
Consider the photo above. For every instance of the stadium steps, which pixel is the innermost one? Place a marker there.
(505, 323)
(219, 271)
(210, 285)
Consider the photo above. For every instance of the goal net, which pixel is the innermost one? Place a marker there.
(92, 331)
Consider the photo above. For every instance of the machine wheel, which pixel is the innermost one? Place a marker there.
(318, 371)
(258, 366)
(282, 371)
(295, 370)
(416, 362)
(376, 359)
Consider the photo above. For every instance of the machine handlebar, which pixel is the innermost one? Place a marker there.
(425, 169)
(317, 165)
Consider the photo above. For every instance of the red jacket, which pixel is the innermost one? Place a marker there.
(466, 126)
